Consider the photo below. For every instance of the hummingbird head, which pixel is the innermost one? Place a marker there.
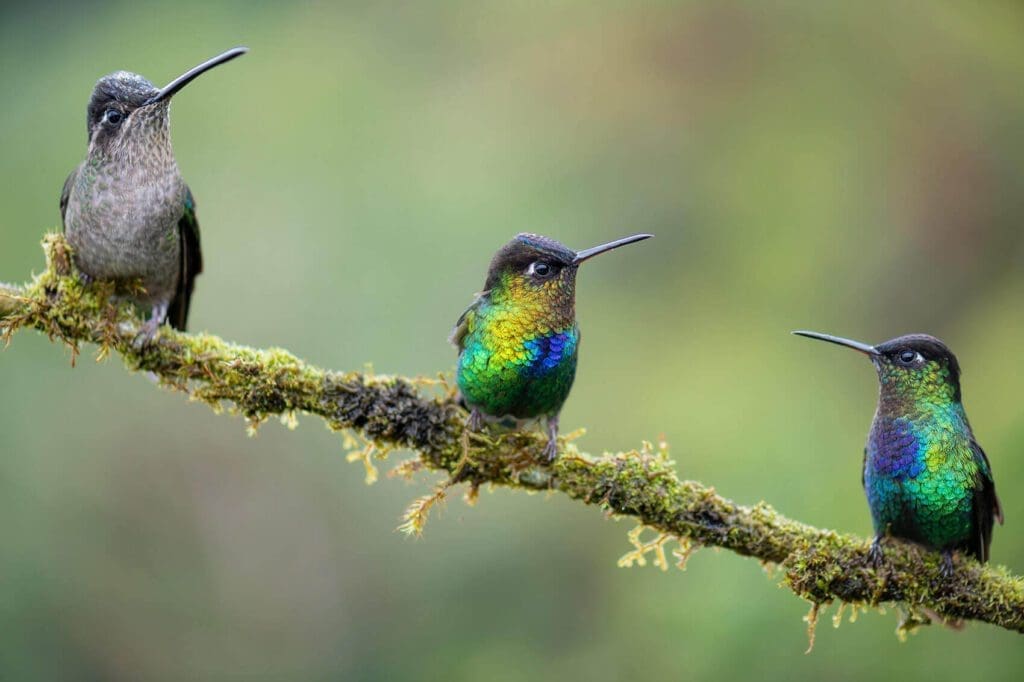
(915, 367)
(118, 109)
(537, 268)
(125, 109)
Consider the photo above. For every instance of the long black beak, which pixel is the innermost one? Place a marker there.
(856, 345)
(184, 79)
(587, 254)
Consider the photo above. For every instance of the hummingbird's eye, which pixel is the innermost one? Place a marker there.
(112, 117)
(539, 269)
(908, 357)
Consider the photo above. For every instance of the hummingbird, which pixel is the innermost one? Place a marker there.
(126, 210)
(518, 340)
(926, 478)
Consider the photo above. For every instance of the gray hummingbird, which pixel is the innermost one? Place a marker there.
(126, 210)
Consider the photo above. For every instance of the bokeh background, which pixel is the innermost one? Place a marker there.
(848, 167)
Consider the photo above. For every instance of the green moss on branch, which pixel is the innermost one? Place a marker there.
(819, 565)
(10, 299)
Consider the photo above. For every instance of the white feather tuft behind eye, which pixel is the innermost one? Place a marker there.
(539, 268)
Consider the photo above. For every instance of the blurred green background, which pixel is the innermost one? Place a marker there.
(847, 167)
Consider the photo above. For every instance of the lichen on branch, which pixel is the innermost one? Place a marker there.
(389, 412)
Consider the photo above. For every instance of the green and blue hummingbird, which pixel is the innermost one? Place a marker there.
(126, 210)
(926, 478)
(518, 340)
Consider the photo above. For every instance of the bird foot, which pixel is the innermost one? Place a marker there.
(551, 449)
(875, 554)
(948, 568)
(145, 336)
(475, 420)
(151, 328)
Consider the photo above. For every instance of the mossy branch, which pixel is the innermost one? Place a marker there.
(394, 412)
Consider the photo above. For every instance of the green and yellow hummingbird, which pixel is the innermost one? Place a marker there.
(126, 210)
(517, 342)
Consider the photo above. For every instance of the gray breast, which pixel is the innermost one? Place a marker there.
(124, 226)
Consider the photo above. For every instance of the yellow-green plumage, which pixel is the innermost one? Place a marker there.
(518, 341)
(519, 350)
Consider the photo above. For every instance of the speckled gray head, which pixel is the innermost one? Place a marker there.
(124, 101)
(118, 107)
(122, 90)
